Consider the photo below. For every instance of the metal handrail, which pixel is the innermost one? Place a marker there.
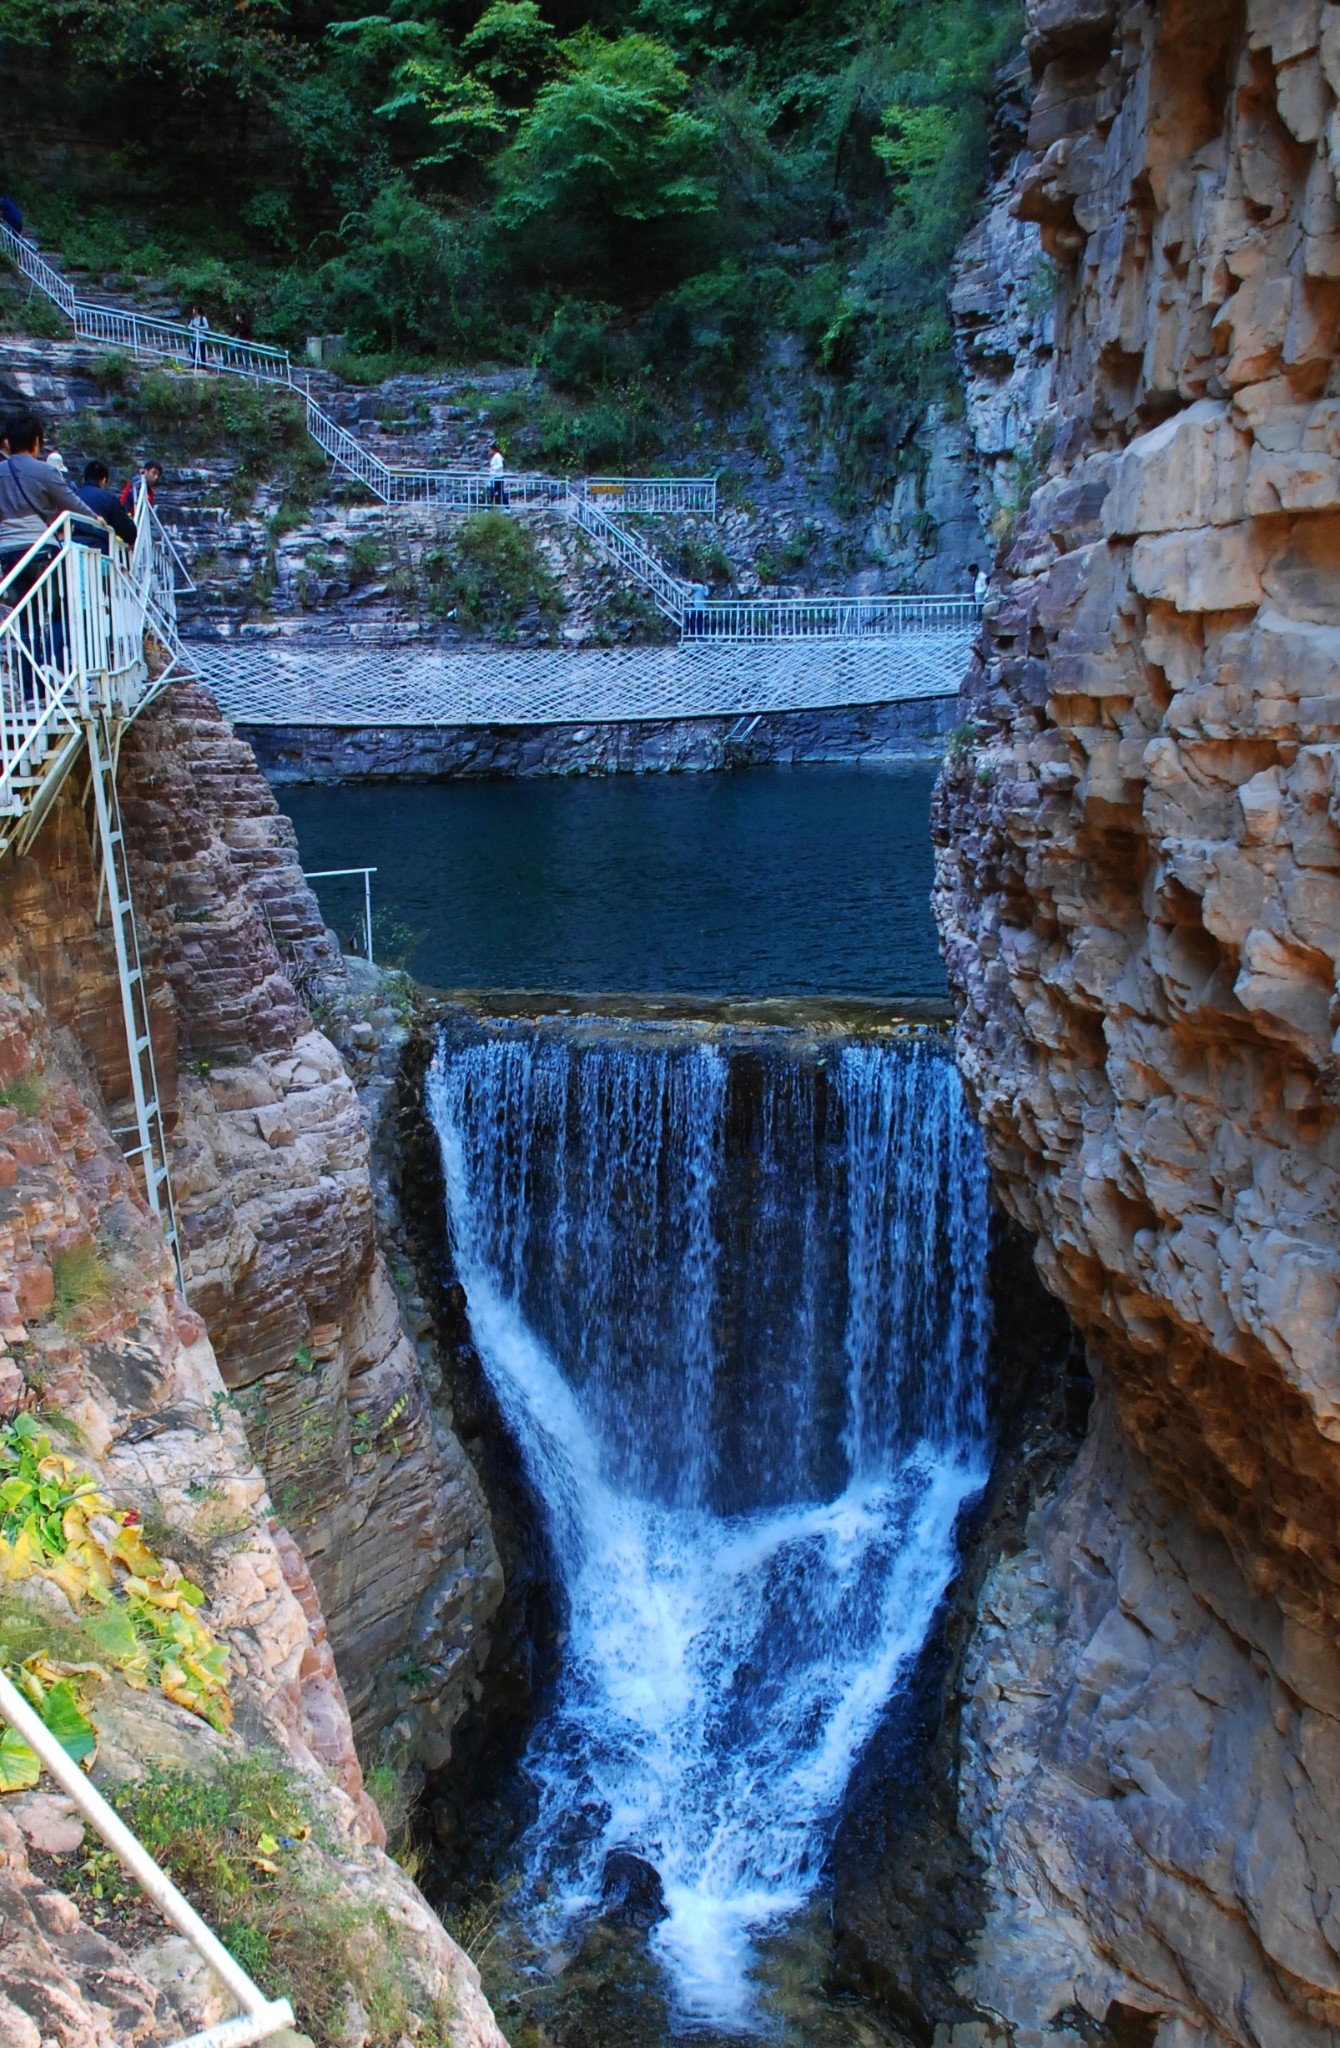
(145, 334)
(261, 2016)
(670, 594)
(72, 646)
(812, 618)
(327, 874)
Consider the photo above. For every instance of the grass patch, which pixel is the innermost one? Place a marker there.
(80, 1276)
(492, 575)
(245, 1848)
(23, 1096)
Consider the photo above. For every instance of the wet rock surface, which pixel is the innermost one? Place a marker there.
(871, 733)
(632, 1894)
(1139, 874)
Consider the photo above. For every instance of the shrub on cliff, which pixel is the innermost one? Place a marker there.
(493, 575)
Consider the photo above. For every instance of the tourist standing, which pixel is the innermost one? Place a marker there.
(151, 475)
(199, 327)
(497, 468)
(32, 495)
(99, 498)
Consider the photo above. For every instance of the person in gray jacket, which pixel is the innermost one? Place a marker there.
(32, 494)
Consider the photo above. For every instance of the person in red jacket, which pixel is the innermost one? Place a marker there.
(152, 472)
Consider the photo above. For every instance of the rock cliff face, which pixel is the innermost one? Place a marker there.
(270, 1164)
(271, 1172)
(132, 1371)
(1139, 891)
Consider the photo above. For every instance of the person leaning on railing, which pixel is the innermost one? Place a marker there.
(99, 498)
(32, 494)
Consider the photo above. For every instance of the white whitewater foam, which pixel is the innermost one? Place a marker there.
(722, 1671)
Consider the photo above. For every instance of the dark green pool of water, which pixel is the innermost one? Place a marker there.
(772, 881)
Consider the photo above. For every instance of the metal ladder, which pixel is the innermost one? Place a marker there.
(151, 1148)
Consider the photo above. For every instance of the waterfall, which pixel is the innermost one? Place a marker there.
(730, 1294)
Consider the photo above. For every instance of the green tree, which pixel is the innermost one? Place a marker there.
(610, 148)
(511, 46)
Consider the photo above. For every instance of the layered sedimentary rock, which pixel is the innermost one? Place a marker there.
(1139, 891)
(124, 1365)
(270, 1165)
(271, 1168)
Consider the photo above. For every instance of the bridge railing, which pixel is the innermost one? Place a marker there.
(814, 618)
(73, 621)
(471, 490)
(656, 494)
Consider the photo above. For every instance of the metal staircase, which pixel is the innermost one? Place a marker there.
(591, 502)
(87, 641)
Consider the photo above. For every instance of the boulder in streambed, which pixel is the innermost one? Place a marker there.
(631, 1893)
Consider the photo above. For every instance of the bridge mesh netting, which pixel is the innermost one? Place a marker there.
(389, 684)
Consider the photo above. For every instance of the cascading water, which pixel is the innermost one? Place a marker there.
(731, 1298)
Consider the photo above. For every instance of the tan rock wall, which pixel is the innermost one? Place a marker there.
(132, 1369)
(271, 1172)
(1139, 891)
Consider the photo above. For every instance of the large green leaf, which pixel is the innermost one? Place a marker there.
(19, 1767)
(114, 1632)
(68, 1722)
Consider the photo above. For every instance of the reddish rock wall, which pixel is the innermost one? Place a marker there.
(131, 1368)
(1139, 891)
(270, 1165)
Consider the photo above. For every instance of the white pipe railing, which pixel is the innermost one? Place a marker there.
(73, 620)
(670, 594)
(328, 874)
(813, 618)
(144, 335)
(261, 2016)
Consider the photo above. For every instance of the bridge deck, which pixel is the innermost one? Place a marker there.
(282, 683)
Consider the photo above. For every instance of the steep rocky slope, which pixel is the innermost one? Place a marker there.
(128, 1372)
(1139, 891)
(270, 1161)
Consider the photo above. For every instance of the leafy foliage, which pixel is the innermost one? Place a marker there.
(492, 575)
(55, 1524)
(442, 180)
(609, 149)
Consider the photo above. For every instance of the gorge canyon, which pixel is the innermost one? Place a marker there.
(1136, 1719)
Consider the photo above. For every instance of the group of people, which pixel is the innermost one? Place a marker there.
(34, 492)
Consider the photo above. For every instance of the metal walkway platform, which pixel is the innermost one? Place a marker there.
(292, 683)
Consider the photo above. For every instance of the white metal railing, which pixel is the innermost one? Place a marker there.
(73, 621)
(770, 618)
(144, 335)
(670, 594)
(589, 501)
(328, 874)
(656, 494)
(261, 2017)
(813, 618)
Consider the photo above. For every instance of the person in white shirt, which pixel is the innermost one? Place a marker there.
(199, 327)
(497, 488)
